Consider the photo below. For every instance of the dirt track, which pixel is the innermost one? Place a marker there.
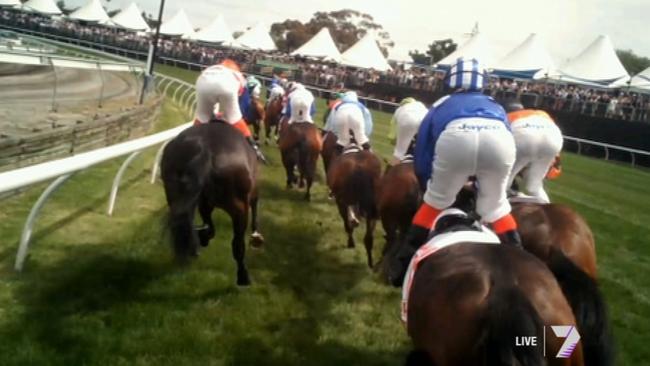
(26, 95)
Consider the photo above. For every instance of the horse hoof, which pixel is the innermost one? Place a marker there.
(350, 243)
(204, 237)
(243, 279)
(257, 240)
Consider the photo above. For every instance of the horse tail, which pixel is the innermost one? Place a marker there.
(183, 186)
(589, 308)
(509, 315)
(363, 187)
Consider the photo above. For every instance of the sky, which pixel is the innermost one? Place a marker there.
(566, 26)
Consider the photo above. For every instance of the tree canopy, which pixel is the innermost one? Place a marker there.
(633, 63)
(436, 51)
(346, 26)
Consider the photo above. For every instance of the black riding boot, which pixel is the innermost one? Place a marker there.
(511, 238)
(258, 152)
(366, 146)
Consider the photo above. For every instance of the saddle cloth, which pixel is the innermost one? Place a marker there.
(524, 198)
(486, 236)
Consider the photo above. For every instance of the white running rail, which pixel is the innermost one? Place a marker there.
(60, 170)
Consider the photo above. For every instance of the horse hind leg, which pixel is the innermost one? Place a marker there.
(239, 214)
(349, 229)
(206, 233)
(256, 237)
(368, 238)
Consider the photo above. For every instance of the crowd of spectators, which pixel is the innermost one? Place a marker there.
(619, 104)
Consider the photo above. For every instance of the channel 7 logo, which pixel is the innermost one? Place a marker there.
(568, 332)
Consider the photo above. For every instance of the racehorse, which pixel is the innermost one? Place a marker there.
(398, 200)
(272, 117)
(300, 145)
(353, 179)
(207, 166)
(469, 302)
(256, 116)
(328, 152)
(561, 238)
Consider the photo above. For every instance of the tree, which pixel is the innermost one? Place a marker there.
(633, 63)
(347, 26)
(64, 8)
(437, 51)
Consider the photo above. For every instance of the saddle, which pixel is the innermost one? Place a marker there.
(351, 149)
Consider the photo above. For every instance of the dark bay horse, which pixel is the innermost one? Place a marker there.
(398, 200)
(300, 145)
(329, 149)
(353, 179)
(256, 116)
(561, 238)
(469, 302)
(207, 166)
(272, 117)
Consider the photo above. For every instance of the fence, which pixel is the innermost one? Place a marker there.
(61, 170)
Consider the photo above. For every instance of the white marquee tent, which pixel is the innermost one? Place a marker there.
(215, 32)
(130, 18)
(42, 6)
(92, 11)
(257, 38)
(641, 80)
(10, 3)
(530, 59)
(320, 45)
(477, 47)
(365, 54)
(597, 63)
(177, 25)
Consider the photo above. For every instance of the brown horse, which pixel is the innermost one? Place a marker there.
(561, 238)
(300, 145)
(256, 117)
(353, 179)
(469, 303)
(329, 149)
(398, 200)
(207, 166)
(273, 114)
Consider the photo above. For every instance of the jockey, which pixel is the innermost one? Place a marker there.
(275, 90)
(335, 100)
(301, 105)
(254, 86)
(224, 85)
(539, 142)
(465, 134)
(350, 114)
(404, 126)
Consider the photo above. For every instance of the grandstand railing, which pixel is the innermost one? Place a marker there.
(61, 170)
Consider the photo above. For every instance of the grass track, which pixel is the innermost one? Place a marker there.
(102, 291)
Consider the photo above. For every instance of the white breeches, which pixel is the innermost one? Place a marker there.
(217, 90)
(538, 143)
(350, 117)
(473, 146)
(408, 122)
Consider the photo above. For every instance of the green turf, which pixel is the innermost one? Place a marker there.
(103, 291)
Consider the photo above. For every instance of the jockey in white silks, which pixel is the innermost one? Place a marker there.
(351, 116)
(539, 142)
(301, 105)
(464, 134)
(404, 126)
(254, 86)
(275, 90)
(222, 88)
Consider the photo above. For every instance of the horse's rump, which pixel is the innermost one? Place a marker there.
(399, 196)
(354, 179)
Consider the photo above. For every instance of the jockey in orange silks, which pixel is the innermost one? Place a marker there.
(539, 142)
(223, 87)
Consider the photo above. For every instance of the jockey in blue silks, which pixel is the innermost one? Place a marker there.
(464, 134)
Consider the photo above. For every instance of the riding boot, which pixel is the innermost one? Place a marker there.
(511, 238)
(366, 146)
(258, 152)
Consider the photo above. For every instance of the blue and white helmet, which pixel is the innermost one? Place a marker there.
(467, 74)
